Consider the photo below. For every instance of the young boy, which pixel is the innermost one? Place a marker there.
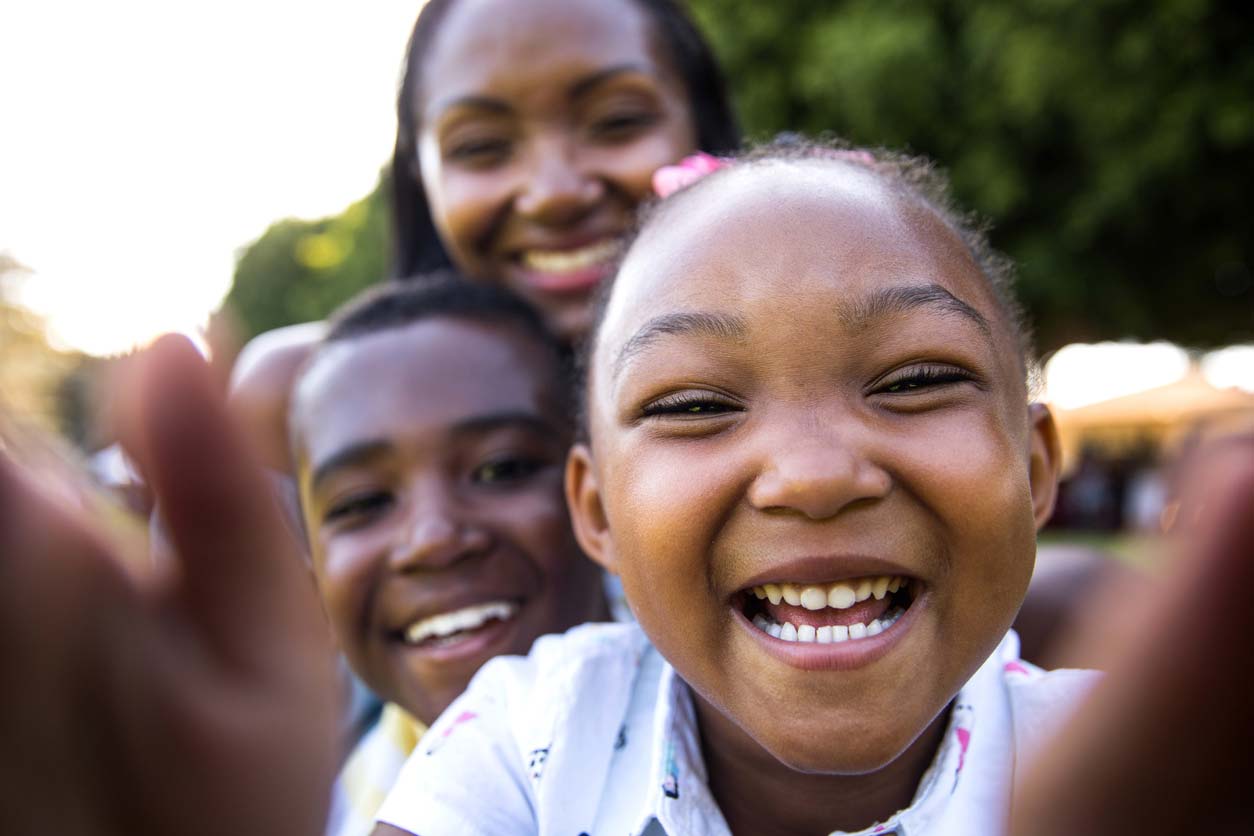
(811, 459)
(430, 429)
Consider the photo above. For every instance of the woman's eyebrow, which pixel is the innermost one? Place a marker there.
(470, 102)
(682, 323)
(858, 314)
(515, 419)
(586, 84)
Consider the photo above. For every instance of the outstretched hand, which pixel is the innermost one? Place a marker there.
(201, 699)
(1165, 745)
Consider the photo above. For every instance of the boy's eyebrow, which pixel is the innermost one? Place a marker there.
(721, 326)
(349, 456)
(503, 420)
(903, 298)
(363, 451)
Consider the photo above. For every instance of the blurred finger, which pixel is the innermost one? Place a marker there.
(1169, 735)
(243, 580)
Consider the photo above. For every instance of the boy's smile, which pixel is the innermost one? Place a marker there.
(813, 464)
(429, 463)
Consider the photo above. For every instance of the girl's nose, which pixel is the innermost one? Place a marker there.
(818, 477)
(436, 536)
(557, 190)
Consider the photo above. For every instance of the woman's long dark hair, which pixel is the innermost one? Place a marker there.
(417, 247)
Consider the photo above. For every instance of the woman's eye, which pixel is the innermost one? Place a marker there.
(922, 378)
(689, 405)
(505, 470)
(622, 125)
(478, 152)
(358, 508)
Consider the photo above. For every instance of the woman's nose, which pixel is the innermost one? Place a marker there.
(557, 189)
(817, 475)
(436, 534)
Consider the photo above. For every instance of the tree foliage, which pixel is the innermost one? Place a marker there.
(300, 271)
(1109, 142)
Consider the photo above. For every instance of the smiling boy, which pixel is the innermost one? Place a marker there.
(430, 428)
(811, 459)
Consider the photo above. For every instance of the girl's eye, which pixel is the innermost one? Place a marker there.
(358, 509)
(689, 405)
(511, 469)
(922, 378)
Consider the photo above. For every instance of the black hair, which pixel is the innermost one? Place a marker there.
(915, 179)
(417, 247)
(443, 294)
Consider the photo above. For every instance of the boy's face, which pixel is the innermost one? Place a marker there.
(804, 386)
(430, 461)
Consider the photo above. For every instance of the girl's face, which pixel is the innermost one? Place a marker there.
(804, 397)
(540, 127)
(432, 495)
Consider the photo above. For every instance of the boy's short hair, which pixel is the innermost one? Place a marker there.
(443, 293)
(399, 303)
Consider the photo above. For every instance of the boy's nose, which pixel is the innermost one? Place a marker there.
(557, 190)
(817, 477)
(436, 536)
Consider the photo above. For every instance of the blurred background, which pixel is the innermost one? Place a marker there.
(216, 170)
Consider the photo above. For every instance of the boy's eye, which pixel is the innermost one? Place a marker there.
(359, 508)
(511, 469)
(921, 378)
(690, 404)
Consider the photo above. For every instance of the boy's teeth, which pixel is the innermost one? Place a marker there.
(566, 261)
(457, 621)
(808, 634)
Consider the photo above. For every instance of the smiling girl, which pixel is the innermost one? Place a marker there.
(811, 457)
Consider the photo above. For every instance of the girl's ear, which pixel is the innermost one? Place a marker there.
(1044, 462)
(583, 497)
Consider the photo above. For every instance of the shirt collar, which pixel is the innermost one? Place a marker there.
(679, 797)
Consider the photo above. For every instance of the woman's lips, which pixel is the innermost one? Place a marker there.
(569, 269)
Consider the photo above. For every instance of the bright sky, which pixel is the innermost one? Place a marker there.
(142, 142)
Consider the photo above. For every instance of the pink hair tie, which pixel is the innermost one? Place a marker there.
(671, 178)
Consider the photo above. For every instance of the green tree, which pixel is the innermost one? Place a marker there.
(300, 271)
(1109, 142)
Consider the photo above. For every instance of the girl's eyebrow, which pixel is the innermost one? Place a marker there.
(698, 323)
(860, 313)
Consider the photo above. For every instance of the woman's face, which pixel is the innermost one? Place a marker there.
(540, 125)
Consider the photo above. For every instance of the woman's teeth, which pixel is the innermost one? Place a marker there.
(840, 596)
(459, 621)
(790, 632)
(568, 261)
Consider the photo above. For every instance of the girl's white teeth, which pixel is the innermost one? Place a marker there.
(567, 261)
(468, 618)
(841, 595)
(834, 634)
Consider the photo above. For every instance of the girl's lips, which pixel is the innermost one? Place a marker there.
(842, 656)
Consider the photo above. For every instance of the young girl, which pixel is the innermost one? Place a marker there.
(811, 457)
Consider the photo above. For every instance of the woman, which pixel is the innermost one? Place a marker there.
(527, 135)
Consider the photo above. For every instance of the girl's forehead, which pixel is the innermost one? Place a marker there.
(828, 232)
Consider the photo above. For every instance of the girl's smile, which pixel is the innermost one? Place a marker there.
(812, 463)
